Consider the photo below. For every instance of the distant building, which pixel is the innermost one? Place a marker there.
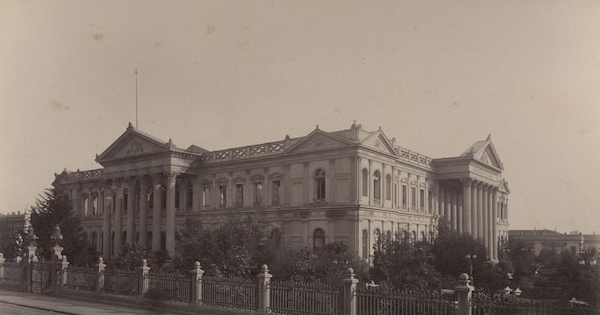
(551, 240)
(10, 227)
(350, 185)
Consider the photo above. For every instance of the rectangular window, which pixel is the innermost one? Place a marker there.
(257, 193)
(404, 196)
(422, 199)
(189, 196)
(430, 199)
(205, 196)
(275, 193)
(239, 195)
(124, 201)
(395, 195)
(413, 197)
(222, 195)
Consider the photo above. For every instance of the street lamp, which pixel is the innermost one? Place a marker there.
(470, 258)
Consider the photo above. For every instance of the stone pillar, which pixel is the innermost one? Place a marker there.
(100, 274)
(197, 273)
(454, 210)
(106, 225)
(143, 221)
(474, 209)
(466, 215)
(484, 216)
(463, 291)
(64, 264)
(130, 211)
(479, 211)
(264, 293)
(459, 212)
(170, 246)
(495, 224)
(118, 220)
(442, 204)
(349, 282)
(144, 280)
(156, 211)
(2, 260)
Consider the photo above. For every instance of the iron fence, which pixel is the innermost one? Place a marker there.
(81, 278)
(297, 298)
(382, 301)
(230, 292)
(13, 274)
(123, 282)
(173, 286)
(501, 304)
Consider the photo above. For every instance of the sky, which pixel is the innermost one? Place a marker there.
(437, 75)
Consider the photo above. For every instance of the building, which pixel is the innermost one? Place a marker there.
(544, 239)
(350, 185)
(11, 225)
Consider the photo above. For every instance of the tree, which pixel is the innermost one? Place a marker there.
(53, 210)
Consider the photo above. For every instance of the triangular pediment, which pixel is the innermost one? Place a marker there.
(131, 143)
(380, 142)
(317, 140)
(485, 152)
(503, 187)
(64, 177)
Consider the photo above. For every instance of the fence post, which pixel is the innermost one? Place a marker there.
(100, 274)
(264, 293)
(2, 260)
(463, 291)
(197, 273)
(144, 280)
(349, 289)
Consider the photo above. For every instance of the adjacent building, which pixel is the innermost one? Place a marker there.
(544, 239)
(350, 185)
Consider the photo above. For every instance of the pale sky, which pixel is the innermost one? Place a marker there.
(437, 75)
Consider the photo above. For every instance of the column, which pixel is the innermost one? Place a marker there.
(442, 204)
(370, 184)
(106, 224)
(330, 189)
(156, 205)
(495, 224)
(474, 209)
(454, 210)
(118, 219)
(459, 212)
(479, 211)
(170, 246)
(143, 221)
(484, 216)
(130, 211)
(490, 242)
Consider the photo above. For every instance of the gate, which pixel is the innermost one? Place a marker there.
(43, 277)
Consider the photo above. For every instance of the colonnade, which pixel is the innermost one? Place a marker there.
(117, 188)
(471, 207)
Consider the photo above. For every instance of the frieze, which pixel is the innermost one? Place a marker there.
(135, 165)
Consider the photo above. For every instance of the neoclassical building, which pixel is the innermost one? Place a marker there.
(350, 185)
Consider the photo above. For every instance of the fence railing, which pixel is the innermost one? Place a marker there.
(230, 292)
(298, 298)
(266, 295)
(382, 301)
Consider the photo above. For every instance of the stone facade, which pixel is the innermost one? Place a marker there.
(557, 242)
(351, 185)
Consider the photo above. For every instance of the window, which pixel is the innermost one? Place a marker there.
(189, 195)
(258, 193)
(430, 201)
(163, 197)
(318, 239)
(205, 196)
(395, 195)
(150, 198)
(125, 197)
(86, 204)
(365, 244)
(422, 199)
(222, 195)
(388, 187)
(413, 197)
(377, 238)
(377, 185)
(320, 184)
(404, 196)
(365, 182)
(239, 195)
(276, 186)
(95, 203)
(177, 196)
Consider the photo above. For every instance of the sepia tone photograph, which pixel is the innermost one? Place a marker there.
(300, 157)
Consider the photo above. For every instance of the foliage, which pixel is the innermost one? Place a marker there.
(522, 258)
(450, 250)
(404, 264)
(53, 210)
(131, 257)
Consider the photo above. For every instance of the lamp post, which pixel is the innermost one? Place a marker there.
(470, 259)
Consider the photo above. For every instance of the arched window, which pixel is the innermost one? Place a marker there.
(388, 235)
(377, 238)
(388, 187)
(414, 236)
(365, 244)
(320, 184)
(86, 204)
(318, 239)
(94, 203)
(423, 237)
(365, 182)
(377, 185)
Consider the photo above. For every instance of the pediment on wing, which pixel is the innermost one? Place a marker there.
(485, 152)
(131, 143)
(380, 142)
(64, 177)
(317, 140)
(503, 187)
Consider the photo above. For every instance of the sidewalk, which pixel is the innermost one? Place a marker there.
(67, 306)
